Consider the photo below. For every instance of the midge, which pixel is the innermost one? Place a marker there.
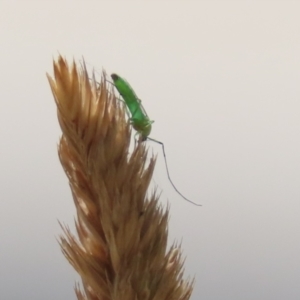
(139, 119)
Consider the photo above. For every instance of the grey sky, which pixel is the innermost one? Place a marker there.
(220, 79)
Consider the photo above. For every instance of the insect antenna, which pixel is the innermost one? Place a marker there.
(169, 177)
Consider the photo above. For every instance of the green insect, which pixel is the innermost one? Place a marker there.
(139, 119)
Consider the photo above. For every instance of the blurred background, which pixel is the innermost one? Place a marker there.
(220, 79)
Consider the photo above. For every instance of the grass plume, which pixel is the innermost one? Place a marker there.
(121, 249)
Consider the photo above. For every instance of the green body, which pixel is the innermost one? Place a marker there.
(139, 119)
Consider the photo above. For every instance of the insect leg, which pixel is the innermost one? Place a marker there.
(166, 164)
(98, 85)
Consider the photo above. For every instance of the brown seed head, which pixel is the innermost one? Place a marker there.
(120, 252)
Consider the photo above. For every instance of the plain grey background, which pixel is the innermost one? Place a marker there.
(220, 79)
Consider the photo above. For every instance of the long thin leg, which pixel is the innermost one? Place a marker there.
(163, 148)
